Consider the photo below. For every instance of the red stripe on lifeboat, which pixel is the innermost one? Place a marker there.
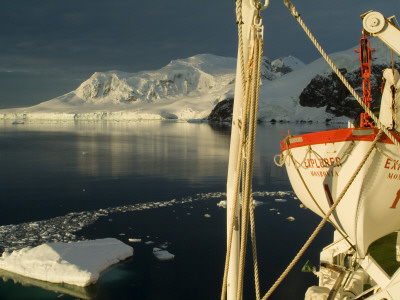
(332, 136)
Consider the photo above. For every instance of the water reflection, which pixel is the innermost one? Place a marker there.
(172, 150)
(76, 291)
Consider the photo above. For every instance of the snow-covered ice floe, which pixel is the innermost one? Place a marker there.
(76, 263)
(161, 254)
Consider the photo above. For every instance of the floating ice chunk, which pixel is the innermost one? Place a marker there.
(164, 246)
(222, 204)
(62, 228)
(280, 200)
(257, 203)
(149, 243)
(207, 215)
(162, 254)
(290, 218)
(135, 240)
(78, 263)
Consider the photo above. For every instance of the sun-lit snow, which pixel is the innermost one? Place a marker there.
(185, 89)
(76, 263)
(188, 89)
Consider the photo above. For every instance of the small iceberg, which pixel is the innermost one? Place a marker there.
(280, 200)
(162, 254)
(133, 240)
(223, 203)
(76, 263)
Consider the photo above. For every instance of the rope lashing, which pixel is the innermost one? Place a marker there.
(244, 165)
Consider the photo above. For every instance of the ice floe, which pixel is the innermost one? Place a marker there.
(76, 263)
(63, 228)
(161, 254)
(132, 240)
(280, 200)
(222, 203)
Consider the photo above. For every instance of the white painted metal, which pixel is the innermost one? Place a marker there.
(389, 113)
(375, 271)
(398, 246)
(248, 14)
(369, 209)
(376, 24)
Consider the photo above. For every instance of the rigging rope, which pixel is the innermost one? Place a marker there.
(244, 165)
(255, 68)
(378, 123)
(239, 22)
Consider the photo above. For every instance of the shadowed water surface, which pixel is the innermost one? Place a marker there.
(155, 181)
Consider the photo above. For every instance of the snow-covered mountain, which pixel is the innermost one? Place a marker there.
(314, 93)
(192, 88)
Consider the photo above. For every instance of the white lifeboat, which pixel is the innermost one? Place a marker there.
(319, 166)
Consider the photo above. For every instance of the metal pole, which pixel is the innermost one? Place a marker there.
(248, 13)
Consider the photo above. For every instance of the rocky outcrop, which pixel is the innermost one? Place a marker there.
(222, 112)
(270, 70)
(326, 90)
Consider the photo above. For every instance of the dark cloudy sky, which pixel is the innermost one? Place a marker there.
(48, 47)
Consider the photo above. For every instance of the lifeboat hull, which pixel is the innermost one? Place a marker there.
(320, 165)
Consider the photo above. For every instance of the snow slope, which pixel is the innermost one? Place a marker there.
(184, 89)
(279, 99)
(189, 89)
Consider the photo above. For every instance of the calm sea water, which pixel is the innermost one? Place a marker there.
(52, 169)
